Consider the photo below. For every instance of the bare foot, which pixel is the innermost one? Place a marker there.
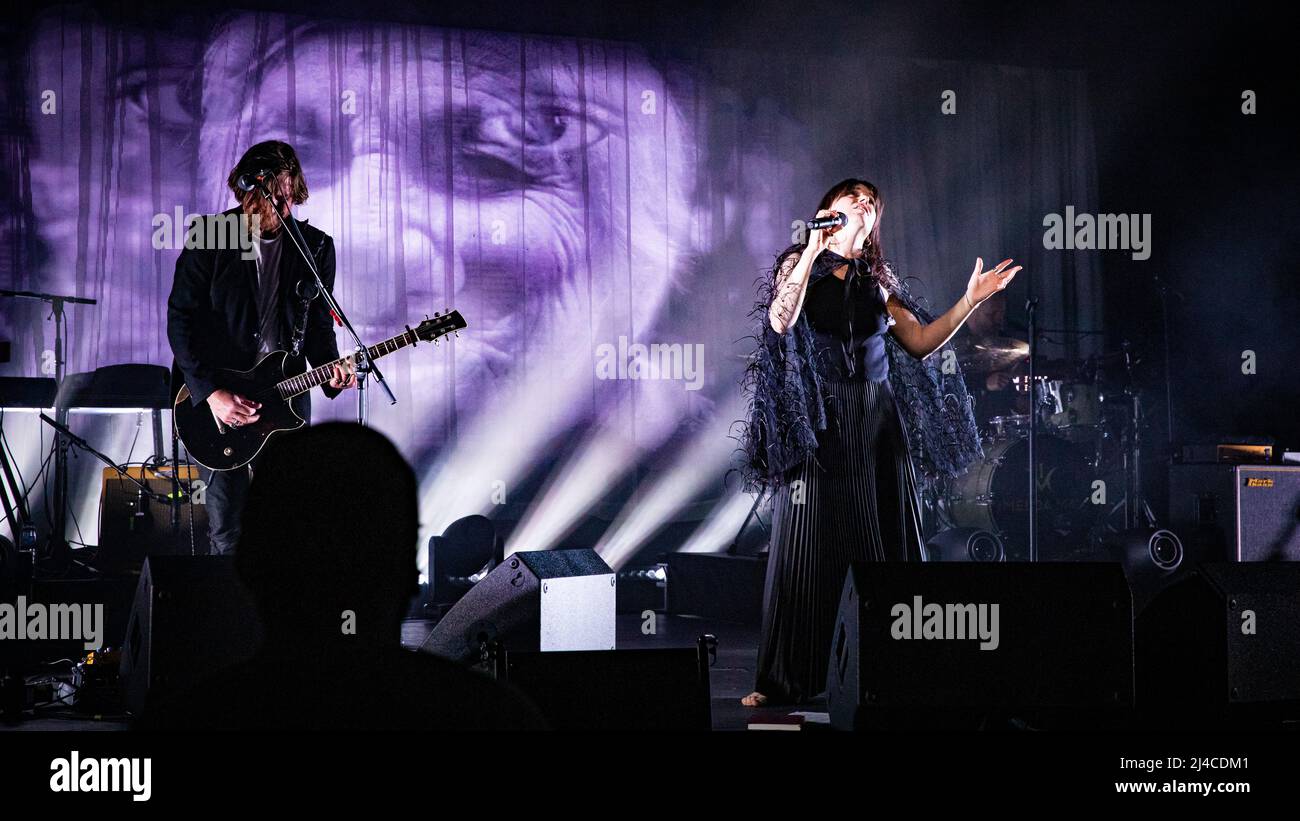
(755, 699)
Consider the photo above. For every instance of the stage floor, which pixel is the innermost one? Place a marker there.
(730, 678)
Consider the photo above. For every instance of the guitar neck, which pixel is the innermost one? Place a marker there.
(295, 385)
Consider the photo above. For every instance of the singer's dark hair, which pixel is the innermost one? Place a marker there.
(872, 249)
(275, 156)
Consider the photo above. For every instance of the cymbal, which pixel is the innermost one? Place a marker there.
(983, 354)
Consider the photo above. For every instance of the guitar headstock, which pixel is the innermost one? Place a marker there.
(440, 325)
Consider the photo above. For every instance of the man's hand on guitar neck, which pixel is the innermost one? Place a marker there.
(233, 409)
(344, 375)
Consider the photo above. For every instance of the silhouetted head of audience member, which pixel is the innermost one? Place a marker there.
(328, 542)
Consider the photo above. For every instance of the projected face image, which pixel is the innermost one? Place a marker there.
(109, 142)
(521, 181)
(543, 187)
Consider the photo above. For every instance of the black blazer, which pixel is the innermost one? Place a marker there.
(212, 317)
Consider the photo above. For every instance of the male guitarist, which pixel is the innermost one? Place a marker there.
(227, 311)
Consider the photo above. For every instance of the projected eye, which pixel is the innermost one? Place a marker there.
(174, 108)
(552, 127)
(312, 139)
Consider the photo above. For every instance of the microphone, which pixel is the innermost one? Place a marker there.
(826, 222)
(255, 180)
(140, 520)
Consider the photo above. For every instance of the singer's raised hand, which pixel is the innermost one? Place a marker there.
(984, 284)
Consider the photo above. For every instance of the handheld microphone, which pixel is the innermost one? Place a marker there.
(826, 222)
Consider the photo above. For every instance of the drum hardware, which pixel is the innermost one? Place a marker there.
(1083, 408)
(1021, 383)
(1084, 422)
(1012, 425)
(1081, 424)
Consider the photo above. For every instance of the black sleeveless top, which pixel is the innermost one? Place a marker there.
(849, 320)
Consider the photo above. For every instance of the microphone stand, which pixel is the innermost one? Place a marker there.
(361, 354)
(1164, 290)
(57, 544)
(74, 439)
(1031, 307)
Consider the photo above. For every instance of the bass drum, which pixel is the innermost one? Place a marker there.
(994, 495)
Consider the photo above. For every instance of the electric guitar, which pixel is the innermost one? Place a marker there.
(275, 381)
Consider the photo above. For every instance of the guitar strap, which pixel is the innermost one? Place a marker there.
(307, 291)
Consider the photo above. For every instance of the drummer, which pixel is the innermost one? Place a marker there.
(992, 389)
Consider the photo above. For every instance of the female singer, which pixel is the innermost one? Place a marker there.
(830, 433)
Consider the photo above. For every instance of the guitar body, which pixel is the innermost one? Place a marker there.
(219, 446)
(222, 447)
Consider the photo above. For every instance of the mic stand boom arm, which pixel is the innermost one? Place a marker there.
(360, 352)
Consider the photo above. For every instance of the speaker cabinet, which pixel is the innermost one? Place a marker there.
(1222, 647)
(548, 600)
(191, 617)
(957, 646)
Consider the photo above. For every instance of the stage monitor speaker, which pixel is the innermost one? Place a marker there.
(1221, 647)
(132, 526)
(546, 600)
(957, 646)
(1247, 513)
(191, 617)
(656, 690)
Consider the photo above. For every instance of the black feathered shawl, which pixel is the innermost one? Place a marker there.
(787, 402)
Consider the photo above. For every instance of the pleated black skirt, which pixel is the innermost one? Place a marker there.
(856, 500)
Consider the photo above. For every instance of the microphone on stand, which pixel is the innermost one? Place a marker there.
(140, 520)
(259, 181)
(256, 180)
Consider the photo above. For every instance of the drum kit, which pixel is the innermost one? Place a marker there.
(1086, 445)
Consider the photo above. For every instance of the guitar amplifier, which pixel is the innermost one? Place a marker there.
(1252, 512)
(133, 526)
